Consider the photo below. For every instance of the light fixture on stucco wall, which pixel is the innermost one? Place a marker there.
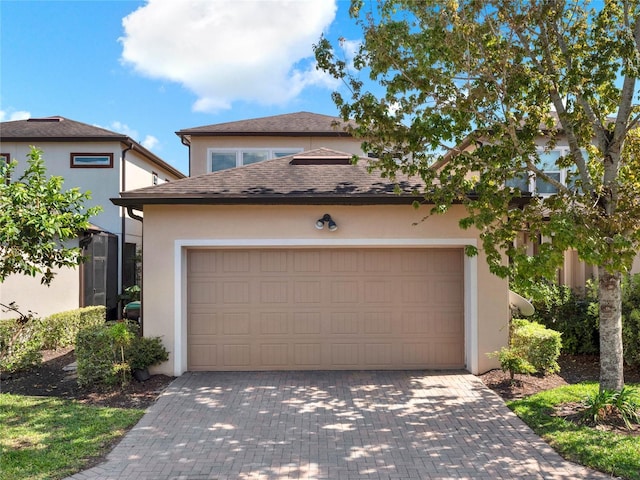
(326, 218)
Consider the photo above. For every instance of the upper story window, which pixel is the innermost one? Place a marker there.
(223, 158)
(92, 160)
(527, 182)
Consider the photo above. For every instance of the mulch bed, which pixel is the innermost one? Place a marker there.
(52, 380)
(573, 369)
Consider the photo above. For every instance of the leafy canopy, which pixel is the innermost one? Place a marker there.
(36, 217)
(475, 90)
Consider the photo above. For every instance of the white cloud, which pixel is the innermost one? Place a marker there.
(6, 116)
(229, 50)
(149, 142)
(123, 128)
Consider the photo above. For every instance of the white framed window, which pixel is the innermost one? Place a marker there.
(547, 162)
(223, 158)
(91, 160)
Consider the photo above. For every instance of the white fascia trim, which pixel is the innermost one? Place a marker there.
(180, 280)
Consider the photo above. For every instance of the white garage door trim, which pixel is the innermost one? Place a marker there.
(180, 265)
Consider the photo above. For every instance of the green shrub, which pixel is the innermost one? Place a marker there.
(539, 345)
(146, 351)
(631, 319)
(107, 354)
(95, 356)
(607, 404)
(574, 314)
(513, 362)
(20, 345)
(60, 329)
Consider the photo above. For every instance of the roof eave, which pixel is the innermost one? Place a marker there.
(331, 199)
(191, 133)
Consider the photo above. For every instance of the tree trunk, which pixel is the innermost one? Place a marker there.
(611, 358)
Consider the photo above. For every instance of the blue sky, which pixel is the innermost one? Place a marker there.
(150, 68)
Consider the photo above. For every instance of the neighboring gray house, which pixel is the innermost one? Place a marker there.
(105, 163)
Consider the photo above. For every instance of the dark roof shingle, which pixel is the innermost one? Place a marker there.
(319, 176)
(61, 129)
(54, 128)
(290, 124)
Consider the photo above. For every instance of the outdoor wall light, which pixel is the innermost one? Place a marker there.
(326, 218)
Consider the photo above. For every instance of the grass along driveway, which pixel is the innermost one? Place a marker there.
(608, 451)
(50, 438)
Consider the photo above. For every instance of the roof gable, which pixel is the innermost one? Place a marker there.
(55, 128)
(61, 129)
(290, 124)
(321, 176)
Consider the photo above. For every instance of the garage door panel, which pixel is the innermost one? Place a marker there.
(274, 356)
(306, 262)
(234, 261)
(378, 355)
(307, 355)
(202, 357)
(236, 324)
(203, 324)
(345, 323)
(306, 291)
(347, 291)
(236, 355)
(274, 323)
(324, 309)
(273, 261)
(378, 323)
(344, 355)
(274, 291)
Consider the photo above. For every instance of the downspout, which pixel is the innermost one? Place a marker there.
(135, 216)
(123, 223)
(188, 145)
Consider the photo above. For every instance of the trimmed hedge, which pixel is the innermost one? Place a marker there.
(21, 343)
(539, 345)
(574, 314)
(107, 354)
(60, 329)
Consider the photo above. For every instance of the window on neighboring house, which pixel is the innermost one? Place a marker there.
(154, 178)
(548, 166)
(527, 182)
(223, 158)
(92, 160)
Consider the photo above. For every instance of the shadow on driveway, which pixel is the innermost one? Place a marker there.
(332, 425)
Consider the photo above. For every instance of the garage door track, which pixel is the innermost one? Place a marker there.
(331, 425)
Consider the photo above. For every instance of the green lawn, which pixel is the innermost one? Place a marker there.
(611, 453)
(49, 438)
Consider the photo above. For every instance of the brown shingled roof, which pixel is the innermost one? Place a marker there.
(290, 124)
(61, 129)
(56, 129)
(321, 176)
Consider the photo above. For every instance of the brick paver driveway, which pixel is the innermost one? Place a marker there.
(331, 425)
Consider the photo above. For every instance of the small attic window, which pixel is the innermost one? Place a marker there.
(321, 160)
(46, 119)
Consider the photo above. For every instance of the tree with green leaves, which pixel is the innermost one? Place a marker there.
(473, 95)
(37, 218)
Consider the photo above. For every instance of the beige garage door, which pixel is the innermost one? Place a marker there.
(325, 309)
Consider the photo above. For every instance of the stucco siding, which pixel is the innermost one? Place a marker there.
(170, 230)
(199, 146)
(62, 295)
